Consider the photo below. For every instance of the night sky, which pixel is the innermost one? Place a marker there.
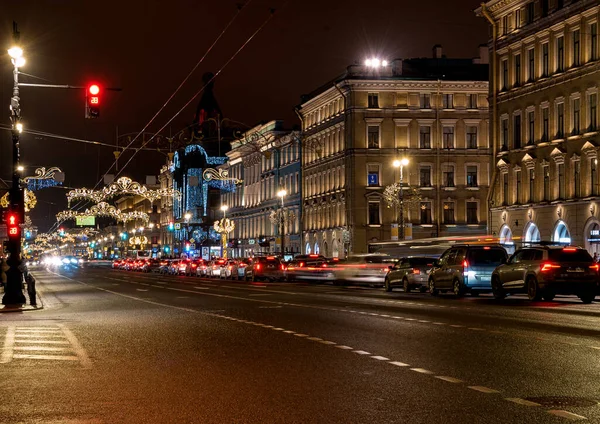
(148, 47)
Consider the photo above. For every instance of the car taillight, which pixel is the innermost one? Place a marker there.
(595, 267)
(547, 266)
(258, 267)
(465, 264)
(301, 264)
(282, 267)
(416, 271)
(229, 267)
(570, 249)
(194, 265)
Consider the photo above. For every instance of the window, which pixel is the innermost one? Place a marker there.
(530, 127)
(546, 170)
(545, 60)
(505, 188)
(472, 176)
(373, 101)
(425, 176)
(593, 110)
(545, 123)
(472, 213)
(576, 116)
(561, 180)
(505, 134)
(518, 18)
(576, 47)
(560, 4)
(373, 175)
(505, 24)
(530, 64)
(560, 54)
(593, 176)
(560, 120)
(518, 187)
(449, 213)
(472, 101)
(545, 8)
(594, 41)
(471, 137)
(425, 101)
(425, 209)
(517, 131)
(531, 185)
(577, 178)
(530, 13)
(425, 137)
(504, 75)
(517, 70)
(448, 137)
(374, 218)
(373, 135)
(448, 101)
(448, 176)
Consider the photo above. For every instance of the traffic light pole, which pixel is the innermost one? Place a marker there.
(13, 292)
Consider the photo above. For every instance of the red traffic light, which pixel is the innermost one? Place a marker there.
(94, 89)
(92, 101)
(12, 222)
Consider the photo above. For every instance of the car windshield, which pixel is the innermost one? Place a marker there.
(491, 256)
(421, 261)
(569, 255)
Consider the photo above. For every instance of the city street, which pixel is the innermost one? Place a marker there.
(114, 346)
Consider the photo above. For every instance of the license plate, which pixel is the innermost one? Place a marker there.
(579, 270)
(271, 266)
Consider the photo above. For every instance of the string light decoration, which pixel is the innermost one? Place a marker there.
(277, 216)
(30, 200)
(45, 178)
(123, 185)
(103, 209)
(410, 196)
(224, 227)
(211, 174)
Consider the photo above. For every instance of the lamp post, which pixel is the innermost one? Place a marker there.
(282, 193)
(13, 292)
(224, 227)
(401, 164)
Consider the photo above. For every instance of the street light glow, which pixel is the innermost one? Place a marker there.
(187, 216)
(282, 193)
(20, 127)
(224, 208)
(15, 52)
(20, 168)
(375, 63)
(151, 225)
(398, 163)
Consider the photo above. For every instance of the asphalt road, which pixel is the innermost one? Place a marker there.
(121, 347)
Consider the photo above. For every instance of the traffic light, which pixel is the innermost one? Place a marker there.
(171, 226)
(12, 224)
(92, 101)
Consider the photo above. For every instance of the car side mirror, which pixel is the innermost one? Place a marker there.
(391, 267)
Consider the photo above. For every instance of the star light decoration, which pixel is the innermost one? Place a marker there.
(224, 227)
(103, 209)
(123, 185)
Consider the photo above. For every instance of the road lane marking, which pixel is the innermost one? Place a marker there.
(522, 402)
(399, 364)
(566, 414)
(421, 370)
(62, 342)
(142, 290)
(300, 335)
(448, 379)
(202, 288)
(182, 297)
(49, 357)
(361, 352)
(33, 336)
(483, 389)
(42, 348)
(259, 294)
(315, 339)
(77, 348)
(9, 343)
(327, 342)
(380, 358)
(457, 326)
(476, 329)
(344, 347)
(289, 331)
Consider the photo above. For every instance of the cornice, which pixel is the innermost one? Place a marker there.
(415, 85)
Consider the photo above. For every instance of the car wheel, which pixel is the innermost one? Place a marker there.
(457, 288)
(406, 285)
(587, 297)
(497, 289)
(432, 290)
(548, 296)
(386, 285)
(422, 289)
(533, 290)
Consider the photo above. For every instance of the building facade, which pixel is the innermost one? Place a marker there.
(431, 111)
(545, 121)
(267, 160)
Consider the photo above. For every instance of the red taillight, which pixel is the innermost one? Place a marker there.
(465, 264)
(194, 265)
(258, 267)
(324, 265)
(595, 267)
(301, 264)
(229, 267)
(570, 249)
(547, 266)
(416, 271)
(487, 248)
(282, 267)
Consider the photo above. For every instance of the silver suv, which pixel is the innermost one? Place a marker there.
(409, 273)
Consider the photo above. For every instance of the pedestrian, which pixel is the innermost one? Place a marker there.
(596, 257)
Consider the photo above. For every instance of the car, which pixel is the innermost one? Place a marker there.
(202, 268)
(173, 267)
(307, 267)
(214, 267)
(164, 266)
(466, 269)
(116, 263)
(409, 273)
(128, 266)
(240, 268)
(264, 268)
(150, 265)
(545, 271)
(182, 267)
(227, 268)
(368, 268)
(192, 266)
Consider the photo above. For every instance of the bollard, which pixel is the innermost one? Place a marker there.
(31, 289)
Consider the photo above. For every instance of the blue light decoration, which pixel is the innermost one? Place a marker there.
(171, 226)
(34, 185)
(225, 186)
(167, 249)
(27, 234)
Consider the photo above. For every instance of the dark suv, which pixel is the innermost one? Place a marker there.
(543, 272)
(264, 268)
(466, 268)
(409, 273)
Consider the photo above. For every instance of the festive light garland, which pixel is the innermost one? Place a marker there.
(103, 209)
(44, 178)
(30, 200)
(224, 227)
(211, 174)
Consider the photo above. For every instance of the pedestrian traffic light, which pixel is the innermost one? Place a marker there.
(12, 224)
(92, 101)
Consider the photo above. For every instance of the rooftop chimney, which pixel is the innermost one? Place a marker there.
(484, 55)
(437, 51)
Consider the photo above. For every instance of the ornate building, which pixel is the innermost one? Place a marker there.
(545, 77)
(432, 112)
(267, 159)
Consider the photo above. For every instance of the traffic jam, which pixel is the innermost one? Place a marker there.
(539, 271)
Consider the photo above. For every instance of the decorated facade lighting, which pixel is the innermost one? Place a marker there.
(224, 227)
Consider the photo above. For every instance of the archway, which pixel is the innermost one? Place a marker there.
(335, 249)
(592, 236)
(531, 233)
(308, 250)
(506, 239)
(561, 233)
(325, 251)
(317, 250)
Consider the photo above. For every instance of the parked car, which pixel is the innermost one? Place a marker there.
(466, 269)
(202, 268)
(150, 265)
(369, 268)
(409, 273)
(173, 267)
(214, 267)
(264, 268)
(545, 271)
(164, 266)
(240, 268)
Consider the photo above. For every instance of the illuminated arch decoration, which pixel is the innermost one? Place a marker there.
(44, 178)
(103, 209)
(219, 178)
(30, 200)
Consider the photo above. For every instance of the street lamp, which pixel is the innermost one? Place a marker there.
(401, 164)
(224, 208)
(282, 193)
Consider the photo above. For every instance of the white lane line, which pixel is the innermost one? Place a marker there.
(36, 328)
(259, 294)
(361, 352)
(566, 414)
(142, 290)
(9, 343)
(399, 364)
(522, 402)
(327, 342)
(344, 347)
(279, 329)
(421, 370)
(595, 347)
(437, 323)
(314, 339)
(483, 389)
(202, 288)
(380, 358)
(154, 285)
(42, 348)
(48, 357)
(33, 336)
(457, 326)
(61, 342)
(23, 331)
(300, 335)
(289, 331)
(423, 320)
(410, 319)
(448, 379)
(77, 348)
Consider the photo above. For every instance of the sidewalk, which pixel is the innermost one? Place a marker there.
(24, 307)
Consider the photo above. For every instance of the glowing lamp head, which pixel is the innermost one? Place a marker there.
(282, 193)
(15, 52)
(187, 216)
(94, 89)
(224, 207)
